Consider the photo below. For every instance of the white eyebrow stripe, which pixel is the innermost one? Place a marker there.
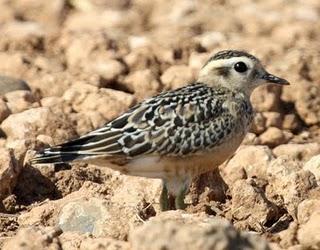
(225, 63)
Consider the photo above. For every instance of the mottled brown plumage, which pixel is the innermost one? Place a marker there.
(178, 134)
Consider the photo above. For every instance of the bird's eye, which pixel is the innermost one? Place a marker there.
(240, 67)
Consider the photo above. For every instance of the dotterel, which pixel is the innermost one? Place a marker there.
(178, 134)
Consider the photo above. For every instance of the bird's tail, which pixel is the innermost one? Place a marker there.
(55, 155)
(49, 156)
(97, 144)
(82, 148)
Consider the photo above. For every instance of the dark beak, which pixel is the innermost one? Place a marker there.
(274, 79)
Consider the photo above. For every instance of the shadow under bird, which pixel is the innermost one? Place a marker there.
(178, 134)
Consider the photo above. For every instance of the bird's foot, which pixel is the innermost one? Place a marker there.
(179, 200)
(164, 201)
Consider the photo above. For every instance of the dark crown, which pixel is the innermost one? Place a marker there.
(227, 54)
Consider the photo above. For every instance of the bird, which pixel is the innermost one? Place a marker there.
(178, 134)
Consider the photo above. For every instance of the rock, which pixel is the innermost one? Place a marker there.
(290, 34)
(274, 137)
(97, 217)
(313, 165)
(30, 123)
(136, 42)
(34, 238)
(104, 243)
(141, 59)
(132, 190)
(180, 10)
(207, 187)
(8, 84)
(197, 60)
(306, 208)
(2, 142)
(56, 104)
(105, 19)
(266, 98)
(19, 148)
(245, 193)
(50, 14)
(52, 84)
(259, 124)
(8, 224)
(143, 83)
(291, 122)
(177, 76)
(10, 204)
(251, 139)
(81, 46)
(46, 170)
(210, 40)
(44, 214)
(273, 119)
(36, 185)
(51, 101)
(24, 35)
(173, 15)
(107, 210)
(17, 64)
(20, 100)
(254, 160)
(298, 151)
(109, 103)
(289, 184)
(306, 14)
(4, 110)
(309, 233)
(84, 216)
(178, 230)
(74, 240)
(308, 103)
(48, 64)
(9, 172)
(88, 122)
(71, 180)
(108, 69)
(47, 213)
(7, 12)
(167, 57)
(289, 237)
(294, 247)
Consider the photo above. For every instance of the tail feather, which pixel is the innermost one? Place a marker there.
(83, 148)
(44, 158)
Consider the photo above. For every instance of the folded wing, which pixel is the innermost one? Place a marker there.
(174, 123)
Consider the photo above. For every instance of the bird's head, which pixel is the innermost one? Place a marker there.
(237, 70)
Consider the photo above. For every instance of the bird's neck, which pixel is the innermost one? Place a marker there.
(222, 84)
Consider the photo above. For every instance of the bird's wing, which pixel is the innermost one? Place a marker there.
(194, 119)
(173, 123)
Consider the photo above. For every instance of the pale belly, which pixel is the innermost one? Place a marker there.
(165, 167)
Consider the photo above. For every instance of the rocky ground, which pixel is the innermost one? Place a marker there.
(83, 62)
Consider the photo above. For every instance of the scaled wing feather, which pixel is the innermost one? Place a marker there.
(174, 123)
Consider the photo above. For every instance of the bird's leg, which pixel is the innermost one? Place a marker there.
(179, 200)
(173, 193)
(184, 188)
(172, 199)
(164, 201)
